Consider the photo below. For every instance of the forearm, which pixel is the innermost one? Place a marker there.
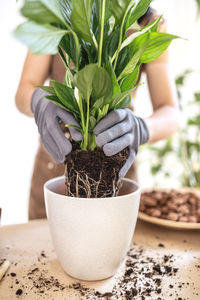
(35, 71)
(163, 123)
(23, 98)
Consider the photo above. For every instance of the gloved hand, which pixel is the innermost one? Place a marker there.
(48, 117)
(121, 129)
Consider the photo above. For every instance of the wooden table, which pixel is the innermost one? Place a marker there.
(29, 249)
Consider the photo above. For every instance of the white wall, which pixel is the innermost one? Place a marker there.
(19, 136)
(18, 133)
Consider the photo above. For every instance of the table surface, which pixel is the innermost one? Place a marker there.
(36, 271)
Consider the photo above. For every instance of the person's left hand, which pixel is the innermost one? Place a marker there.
(121, 129)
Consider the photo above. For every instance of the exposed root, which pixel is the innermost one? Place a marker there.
(90, 174)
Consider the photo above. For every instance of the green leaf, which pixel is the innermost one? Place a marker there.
(123, 60)
(130, 80)
(83, 80)
(98, 103)
(74, 126)
(158, 42)
(117, 100)
(138, 11)
(43, 11)
(68, 45)
(93, 122)
(152, 27)
(102, 84)
(102, 112)
(48, 89)
(56, 101)
(115, 84)
(81, 19)
(107, 11)
(41, 39)
(66, 96)
(66, 9)
(134, 60)
(124, 103)
(110, 44)
(197, 97)
(119, 8)
(195, 121)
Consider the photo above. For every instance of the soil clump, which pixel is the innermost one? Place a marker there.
(92, 174)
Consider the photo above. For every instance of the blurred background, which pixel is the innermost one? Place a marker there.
(171, 163)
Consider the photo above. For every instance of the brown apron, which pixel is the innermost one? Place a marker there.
(45, 167)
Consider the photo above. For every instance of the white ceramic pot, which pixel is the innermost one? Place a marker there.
(91, 236)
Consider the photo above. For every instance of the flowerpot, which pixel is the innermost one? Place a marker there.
(91, 235)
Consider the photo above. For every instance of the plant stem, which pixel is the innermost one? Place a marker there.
(86, 133)
(76, 40)
(121, 34)
(81, 111)
(92, 141)
(102, 18)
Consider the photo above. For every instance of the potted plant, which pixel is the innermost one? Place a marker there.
(92, 35)
(91, 236)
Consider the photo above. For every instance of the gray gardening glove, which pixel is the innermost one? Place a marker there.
(121, 129)
(48, 117)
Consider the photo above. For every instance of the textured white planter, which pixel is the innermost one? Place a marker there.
(91, 236)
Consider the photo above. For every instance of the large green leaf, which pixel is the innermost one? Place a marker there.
(107, 10)
(101, 85)
(43, 11)
(94, 80)
(158, 42)
(120, 8)
(84, 79)
(81, 19)
(66, 9)
(41, 39)
(66, 96)
(134, 60)
(138, 10)
(152, 27)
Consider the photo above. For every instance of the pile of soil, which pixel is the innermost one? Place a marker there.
(171, 205)
(92, 174)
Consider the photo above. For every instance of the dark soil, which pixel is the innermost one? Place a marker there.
(141, 277)
(91, 174)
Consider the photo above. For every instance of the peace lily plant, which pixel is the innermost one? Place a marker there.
(102, 63)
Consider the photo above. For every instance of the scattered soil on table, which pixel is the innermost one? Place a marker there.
(173, 205)
(92, 174)
(141, 277)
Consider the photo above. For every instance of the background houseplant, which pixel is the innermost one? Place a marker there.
(92, 34)
(183, 149)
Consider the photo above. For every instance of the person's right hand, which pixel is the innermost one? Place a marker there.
(48, 117)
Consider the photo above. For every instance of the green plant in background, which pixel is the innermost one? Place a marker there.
(198, 5)
(183, 148)
(91, 34)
